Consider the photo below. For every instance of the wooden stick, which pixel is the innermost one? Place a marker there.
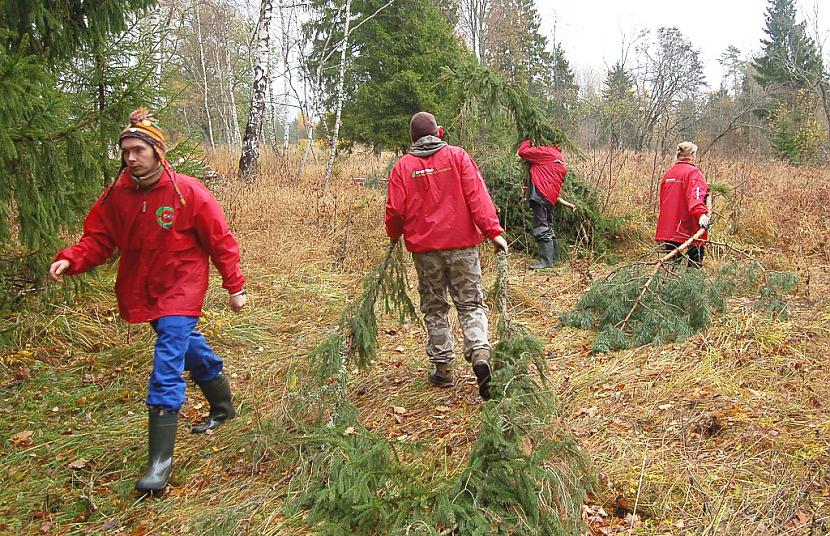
(667, 257)
(566, 203)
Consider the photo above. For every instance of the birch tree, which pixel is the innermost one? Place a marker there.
(204, 75)
(285, 27)
(339, 93)
(253, 129)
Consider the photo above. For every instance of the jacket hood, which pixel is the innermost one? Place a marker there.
(427, 146)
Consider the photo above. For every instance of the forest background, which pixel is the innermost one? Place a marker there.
(292, 113)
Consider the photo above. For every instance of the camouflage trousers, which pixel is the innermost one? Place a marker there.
(459, 271)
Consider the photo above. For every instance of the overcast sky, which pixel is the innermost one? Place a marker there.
(591, 31)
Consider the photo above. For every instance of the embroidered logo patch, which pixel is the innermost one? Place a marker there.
(164, 217)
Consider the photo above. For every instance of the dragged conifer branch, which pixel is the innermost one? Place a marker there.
(525, 475)
(636, 306)
(582, 225)
(666, 258)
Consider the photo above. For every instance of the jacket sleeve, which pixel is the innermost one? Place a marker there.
(696, 191)
(478, 199)
(534, 155)
(214, 234)
(395, 205)
(96, 244)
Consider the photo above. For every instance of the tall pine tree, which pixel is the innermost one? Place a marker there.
(58, 101)
(397, 52)
(790, 58)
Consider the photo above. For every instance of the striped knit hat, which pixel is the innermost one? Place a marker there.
(143, 126)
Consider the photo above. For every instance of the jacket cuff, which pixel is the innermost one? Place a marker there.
(74, 263)
(235, 287)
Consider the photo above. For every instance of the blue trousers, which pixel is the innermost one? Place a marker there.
(178, 348)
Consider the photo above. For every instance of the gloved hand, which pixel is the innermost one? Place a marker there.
(705, 221)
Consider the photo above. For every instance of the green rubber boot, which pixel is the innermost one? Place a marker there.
(218, 394)
(547, 254)
(161, 438)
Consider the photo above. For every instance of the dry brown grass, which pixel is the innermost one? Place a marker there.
(725, 433)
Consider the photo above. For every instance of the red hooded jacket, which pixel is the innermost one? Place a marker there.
(683, 193)
(164, 246)
(547, 169)
(439, 202)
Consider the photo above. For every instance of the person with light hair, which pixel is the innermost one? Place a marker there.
(683, 210)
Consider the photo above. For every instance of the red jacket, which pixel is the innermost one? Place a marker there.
(683, 193)
(547, 169)
(164, 246)
(439, 202)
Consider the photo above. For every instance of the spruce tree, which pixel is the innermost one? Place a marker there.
(66, 86)
(561, 96)
(395, 60)
(790, 58)
(619, 108)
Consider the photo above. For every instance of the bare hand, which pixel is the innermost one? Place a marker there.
(57, 269)
(499, 243)
(238, 302)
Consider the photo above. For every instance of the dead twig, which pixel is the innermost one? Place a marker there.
(666, 258)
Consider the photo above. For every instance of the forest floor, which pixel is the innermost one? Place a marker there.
(724, 433)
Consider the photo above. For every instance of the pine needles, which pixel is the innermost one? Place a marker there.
(524, 477)
(584, 227)
(678, 302)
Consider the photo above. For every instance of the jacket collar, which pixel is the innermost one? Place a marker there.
(125, 181)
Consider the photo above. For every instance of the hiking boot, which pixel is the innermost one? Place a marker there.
(218, 394)
(161, 438)
(441, 376)
(548, 254)
(481, 368)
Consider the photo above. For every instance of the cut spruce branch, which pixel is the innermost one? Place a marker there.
(662, 302)
(525, 475)
(583, 226)
(666, 258)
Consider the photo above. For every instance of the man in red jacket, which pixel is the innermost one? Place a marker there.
(438, 202)
(547, 171)
(683, 211)
(166, 227)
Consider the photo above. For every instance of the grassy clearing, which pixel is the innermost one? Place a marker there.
(725, 433)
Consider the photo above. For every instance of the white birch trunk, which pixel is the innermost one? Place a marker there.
(340, 96)
(286, 73)
(253, 130)
(312, 107)
(220, 79)
(272, 104)
(204, 76)
(286, 127)
(236, 138)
